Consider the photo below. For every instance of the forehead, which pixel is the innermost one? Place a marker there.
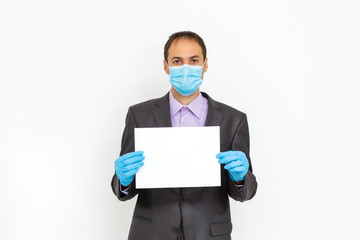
(184, 47)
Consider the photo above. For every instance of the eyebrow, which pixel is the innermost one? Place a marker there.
(195, 56)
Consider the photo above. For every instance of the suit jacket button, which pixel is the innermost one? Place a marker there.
(175, 230)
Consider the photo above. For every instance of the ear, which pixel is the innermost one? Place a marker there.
(206, 65)
(204, 68)
(166, 69)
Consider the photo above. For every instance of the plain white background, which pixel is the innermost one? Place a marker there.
(70, 69)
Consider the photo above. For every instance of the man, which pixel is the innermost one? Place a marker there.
(200, 213)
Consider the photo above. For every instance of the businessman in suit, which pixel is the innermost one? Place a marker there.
(200, 213)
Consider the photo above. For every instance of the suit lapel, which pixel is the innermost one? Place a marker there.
(162, 112)
(214, 117)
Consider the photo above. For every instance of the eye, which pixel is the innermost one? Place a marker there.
(194, 61)
(176, 61)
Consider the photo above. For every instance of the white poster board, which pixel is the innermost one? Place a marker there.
(178, 157)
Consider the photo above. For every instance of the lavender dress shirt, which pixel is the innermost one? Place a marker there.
(192, 115)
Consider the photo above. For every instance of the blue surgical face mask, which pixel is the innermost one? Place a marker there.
(186, 79)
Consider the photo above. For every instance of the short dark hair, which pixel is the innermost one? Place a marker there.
(187, 35)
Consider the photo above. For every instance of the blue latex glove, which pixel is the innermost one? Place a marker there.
(236, 163)
(127, 165)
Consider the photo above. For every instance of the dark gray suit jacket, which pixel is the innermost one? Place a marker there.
(190, 213)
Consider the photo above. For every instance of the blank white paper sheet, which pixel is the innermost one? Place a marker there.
(178, 157)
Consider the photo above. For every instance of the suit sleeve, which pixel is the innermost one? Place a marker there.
(127, 145)
(241, 142)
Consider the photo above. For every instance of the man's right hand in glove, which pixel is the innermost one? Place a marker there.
(127, 165)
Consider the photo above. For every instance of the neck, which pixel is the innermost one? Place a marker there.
(184, 100)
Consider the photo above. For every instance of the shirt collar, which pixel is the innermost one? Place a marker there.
(195, 106)
(175, 106)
